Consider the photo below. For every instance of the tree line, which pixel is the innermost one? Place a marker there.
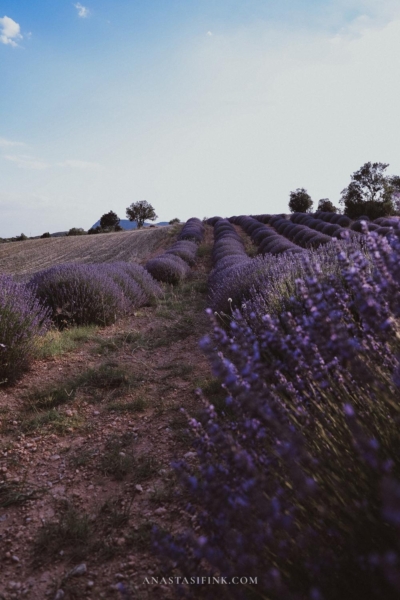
(370, 193)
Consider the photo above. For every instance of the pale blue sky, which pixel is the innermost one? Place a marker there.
(200, 107)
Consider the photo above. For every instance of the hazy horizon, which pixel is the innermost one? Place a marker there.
(201, 108)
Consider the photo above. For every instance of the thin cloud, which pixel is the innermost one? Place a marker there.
(79, 164)
(10, 32)
(83, 12)
(7, 143)
(24, 161)
(209, 33)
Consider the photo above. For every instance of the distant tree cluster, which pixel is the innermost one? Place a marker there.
(137, 211)
(76, 231)
(370, 193)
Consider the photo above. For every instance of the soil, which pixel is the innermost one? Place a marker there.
(85, 474)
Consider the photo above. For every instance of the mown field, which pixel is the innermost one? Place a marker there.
(24, 258)
(227, 408)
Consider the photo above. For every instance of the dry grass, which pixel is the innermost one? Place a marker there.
(25, 258)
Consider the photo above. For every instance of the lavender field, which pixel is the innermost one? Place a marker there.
(290, 474)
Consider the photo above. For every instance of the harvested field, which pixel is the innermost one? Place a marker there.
(24, 258)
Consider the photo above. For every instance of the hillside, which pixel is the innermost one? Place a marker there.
(129, 225)
(24, 258)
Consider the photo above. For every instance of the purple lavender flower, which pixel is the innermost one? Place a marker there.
(22, 320)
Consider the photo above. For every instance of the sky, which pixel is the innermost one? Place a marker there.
(200, 107)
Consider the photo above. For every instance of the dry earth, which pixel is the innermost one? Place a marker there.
(24, 258)
(87, 438)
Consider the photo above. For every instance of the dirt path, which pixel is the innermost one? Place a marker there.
(87, 438)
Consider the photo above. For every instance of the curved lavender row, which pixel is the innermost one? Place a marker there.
(94, 293)
(185, 249)
(264, 236)
(22, 319)
(143, 279)
(212, 220)
(325, 227)
(174, 264)
(299, 233)
(276, 234)
(192, 230)
(334, 218)
(229, 257)
(298, 484)
(168, 268)
(382, 225)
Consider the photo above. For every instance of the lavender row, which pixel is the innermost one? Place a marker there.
(297, 483)
(22, 320)
(95, 293)
(266, 237)
(193, 230)
(381, 225)
(229, 257)
(174, 264)
(327, 228)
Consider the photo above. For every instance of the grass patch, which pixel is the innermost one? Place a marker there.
(15, 494)
(50, 397)
(182, 370)
(114, 514)
(57, 342)
(140, 538)
(70, 533)
(204, 250)
(117, 460)
(82, 457)
(180, 330)
(51, 419)
(144, 468)
(133, 339)
(109, 377)
(137, 405)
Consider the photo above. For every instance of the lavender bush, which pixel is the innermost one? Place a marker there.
(271, 279)
(144, 279)
(80, 294)
(168, 268)
(300, 485)
(173, 265)
(132, 291)
(192, 230)
(22, 320)
(185, 249)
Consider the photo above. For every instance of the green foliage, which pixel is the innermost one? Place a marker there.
(300, 201)
(45, 235)
(109, 220)
(76, 231)
(325, 205)
(140, 211)
(56, 342)
(93, 230)
(370, 192)
(20, 238)
(172, 221)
